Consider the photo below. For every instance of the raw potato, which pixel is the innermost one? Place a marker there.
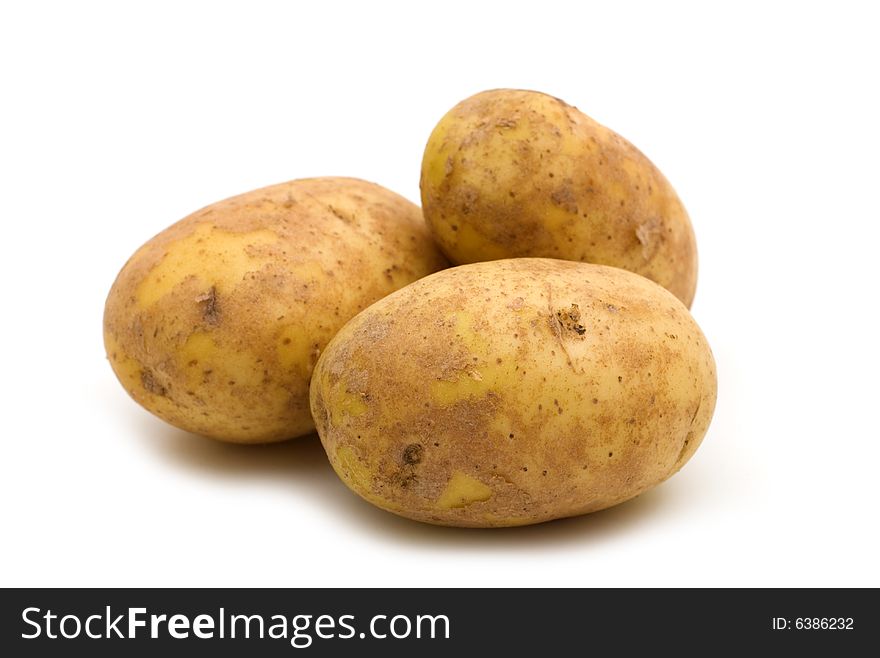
(514, 392)
(510, 173)
(216, 323)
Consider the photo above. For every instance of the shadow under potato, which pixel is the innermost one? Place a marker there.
(292, 463)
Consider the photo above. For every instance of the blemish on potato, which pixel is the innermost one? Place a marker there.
(150, 384)
(412, 454)
(565, 199)
(224, 258)
(347, 218)
(569, 319)
(646, 233)
(210, 307)
(684, 449)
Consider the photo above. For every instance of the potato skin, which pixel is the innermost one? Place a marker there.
(513, 392)
(509, 173)
(215, 324)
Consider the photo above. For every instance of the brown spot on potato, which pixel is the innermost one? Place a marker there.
(210, 307)
(339, 214)
(684, 449)
(150, 384)
(647, 233)
(569, 319)
(469, 198)
(565, 199)
(403, 478)
(412, 454)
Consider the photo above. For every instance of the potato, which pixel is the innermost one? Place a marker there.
(510, 173)
(215, 324)
(514, 392)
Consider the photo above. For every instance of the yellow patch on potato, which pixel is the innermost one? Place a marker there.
(469, 384)
(349, 463)
(225, 257)
(348, 405)
(463, 490)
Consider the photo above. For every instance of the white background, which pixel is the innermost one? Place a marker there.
(117, 120)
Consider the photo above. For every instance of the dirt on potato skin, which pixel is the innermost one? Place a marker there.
(554, 422)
